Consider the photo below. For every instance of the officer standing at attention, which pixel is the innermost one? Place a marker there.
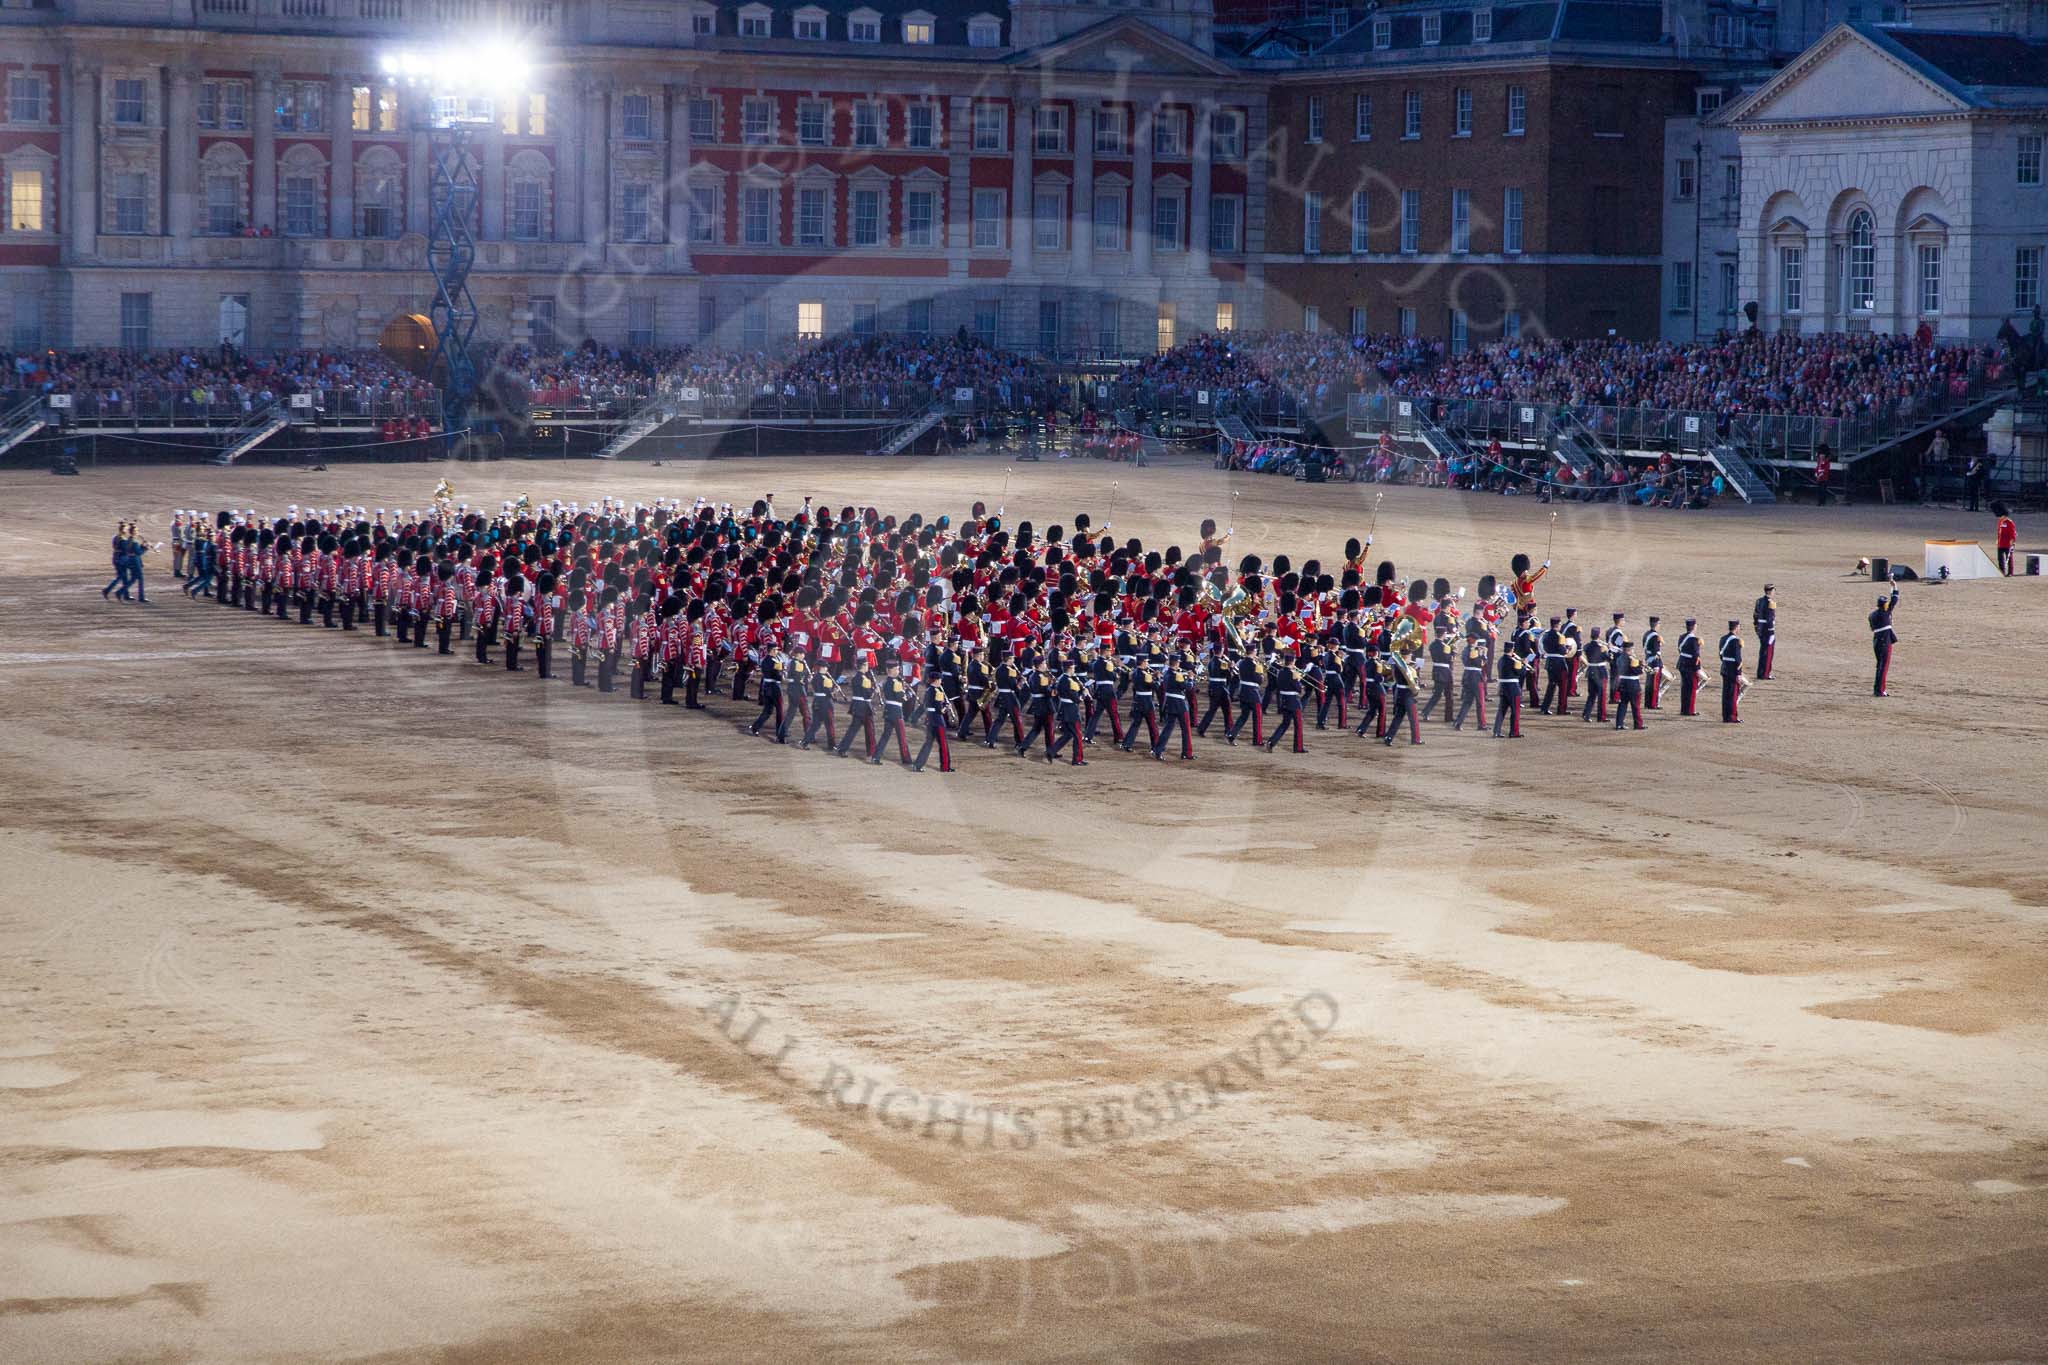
(1765, 618)
(1628, 672)
(1731, 675)
(1596, 678)
(1516, 662)
(1556, 668)
(1472, 679)
(1653, 663)
(1689, 670)
(1882, 638)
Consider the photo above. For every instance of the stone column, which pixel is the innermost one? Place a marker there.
(181, 154)
(959, 186)
(1022, 112)
(596, 178)
(419, 171)
(263, 181)
(491, 183)
(82, 120)
(1198, 195)
(678, 199)
(1083, 206)
(341, 157)
(568, 188)
(1141, 186)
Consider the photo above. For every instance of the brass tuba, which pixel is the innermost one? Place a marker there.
(1231, 607)
(1407, 636)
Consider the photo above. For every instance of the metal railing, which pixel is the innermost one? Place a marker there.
(1757, 436)
(214, 408)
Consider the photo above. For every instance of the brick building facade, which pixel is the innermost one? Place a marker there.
(1058, 176)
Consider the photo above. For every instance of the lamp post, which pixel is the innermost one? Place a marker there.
(456, 90)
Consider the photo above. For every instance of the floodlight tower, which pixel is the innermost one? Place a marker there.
(456, 90)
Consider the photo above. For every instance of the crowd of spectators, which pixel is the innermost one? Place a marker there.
(1831, 375)
(220, 382)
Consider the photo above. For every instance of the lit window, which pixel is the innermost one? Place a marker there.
(25, 201)
(810, 319)
(1226, 317)
(917, 29)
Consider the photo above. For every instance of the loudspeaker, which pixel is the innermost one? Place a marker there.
(1880, 570)
(2032, 567)
(64, 464)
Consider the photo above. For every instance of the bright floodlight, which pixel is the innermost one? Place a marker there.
(497, 65)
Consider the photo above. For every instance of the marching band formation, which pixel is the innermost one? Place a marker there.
(853, 629)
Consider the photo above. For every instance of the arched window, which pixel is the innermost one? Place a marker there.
(1862, 261)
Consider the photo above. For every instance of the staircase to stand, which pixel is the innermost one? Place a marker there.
(1741, 475)
(22, 422)
(252, 431)
(903, 437)
(1580, 446)
(649, 418)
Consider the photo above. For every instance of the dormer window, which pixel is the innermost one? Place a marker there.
(1482, 25)
(864, 26)
(984, 30)
(1706, 102)
(1432, 29)
(1382, 34)
(918, 29)
(703, 23)
(810, 24)
(754, 21)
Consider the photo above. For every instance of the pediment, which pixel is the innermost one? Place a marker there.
(1844, 76)
(1124, 45)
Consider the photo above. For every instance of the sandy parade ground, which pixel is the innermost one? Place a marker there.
(362, 1004)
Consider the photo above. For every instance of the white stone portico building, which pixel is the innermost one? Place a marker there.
(1895, 176)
